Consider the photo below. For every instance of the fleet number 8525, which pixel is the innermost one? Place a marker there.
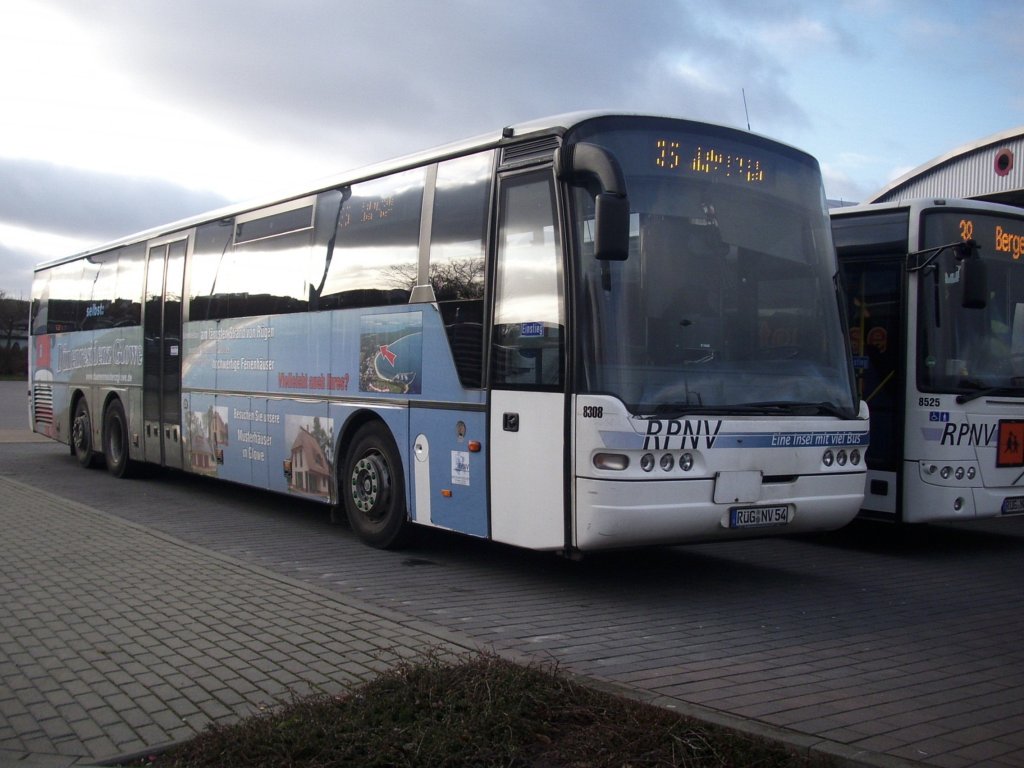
(928, 402)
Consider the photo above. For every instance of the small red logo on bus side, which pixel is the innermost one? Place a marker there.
(43, 351)
(1010, 449)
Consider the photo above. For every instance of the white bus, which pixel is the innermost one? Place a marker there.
(590, 332)
(935, 293)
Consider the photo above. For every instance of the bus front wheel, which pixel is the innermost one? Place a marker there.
(373, 488)
(81, 435)
(115, 440)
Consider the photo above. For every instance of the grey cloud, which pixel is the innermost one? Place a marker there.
(94, 207)
(375, 80)
(16, 272)
(89, 205)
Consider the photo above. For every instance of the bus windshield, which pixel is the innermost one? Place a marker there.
(727, 300)
(972, 350)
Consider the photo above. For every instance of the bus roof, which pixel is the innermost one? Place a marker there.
(917, 204)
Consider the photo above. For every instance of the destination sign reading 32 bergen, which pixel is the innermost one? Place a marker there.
(710, 161)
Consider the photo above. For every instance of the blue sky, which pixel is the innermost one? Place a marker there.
(121, 115)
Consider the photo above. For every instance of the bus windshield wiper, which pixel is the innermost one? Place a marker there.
(796, 408)
(831, 409)
(678, 410)
(966, 397)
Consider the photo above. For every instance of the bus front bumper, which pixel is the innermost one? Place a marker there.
(614, 514)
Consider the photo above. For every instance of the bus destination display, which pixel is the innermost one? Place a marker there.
(708, 160)
(1006, 236)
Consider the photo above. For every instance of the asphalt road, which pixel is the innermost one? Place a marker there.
(902, 643)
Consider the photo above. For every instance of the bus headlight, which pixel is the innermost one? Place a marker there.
(855, 457)
(647, 462)
(841, 458)
(945, 472)
(828, 458)
(667, 462)
(686, 462)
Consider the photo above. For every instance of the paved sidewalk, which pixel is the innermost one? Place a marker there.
(115, 638)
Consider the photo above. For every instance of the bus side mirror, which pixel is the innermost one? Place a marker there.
(973, 276)
(611, 227)
(595, 168)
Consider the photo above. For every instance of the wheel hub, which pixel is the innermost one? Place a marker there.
(370, 483)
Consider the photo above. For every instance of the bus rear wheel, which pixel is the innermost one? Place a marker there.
(81, 435)
(115, 440)
(373, 489)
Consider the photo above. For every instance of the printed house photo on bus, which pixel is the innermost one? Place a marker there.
(310, 466)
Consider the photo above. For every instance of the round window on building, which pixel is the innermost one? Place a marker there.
(1003, 162)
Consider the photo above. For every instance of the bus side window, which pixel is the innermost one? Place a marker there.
(40, 302)
(458, 233)
(209, 249)
(269, 276)
(65, 286)
(99, 290)
(375, 261)
(254, 264)
(127, 307)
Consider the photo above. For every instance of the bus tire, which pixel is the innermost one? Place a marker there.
(81, 435)
(373, 488)
(115, 440)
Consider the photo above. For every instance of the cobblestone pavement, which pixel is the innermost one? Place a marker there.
(115, 638)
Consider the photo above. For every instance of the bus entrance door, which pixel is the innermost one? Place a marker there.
(528, 402)
(161, 361)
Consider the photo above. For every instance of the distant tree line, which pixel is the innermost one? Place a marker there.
(13, 336)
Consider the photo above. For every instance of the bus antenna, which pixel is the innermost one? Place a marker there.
(745, 112)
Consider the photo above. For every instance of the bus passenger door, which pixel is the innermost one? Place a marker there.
(528, 405)
(874, 287)
(161, 361)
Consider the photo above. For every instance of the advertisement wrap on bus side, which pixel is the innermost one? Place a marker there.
(61, 361)
(284, 438)
(110, 357)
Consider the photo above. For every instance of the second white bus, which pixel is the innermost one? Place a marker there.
(935, 294)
